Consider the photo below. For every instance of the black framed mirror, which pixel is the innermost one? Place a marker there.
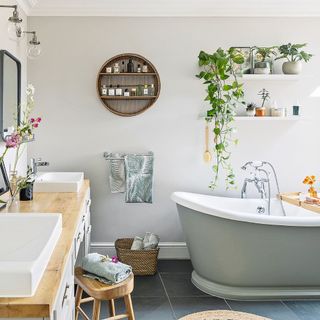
(4, 181)
(10, 92)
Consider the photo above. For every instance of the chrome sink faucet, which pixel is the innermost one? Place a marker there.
(260, 181)
(35, 163)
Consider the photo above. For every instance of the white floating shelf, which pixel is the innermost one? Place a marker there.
(270, 77)
(290, 118)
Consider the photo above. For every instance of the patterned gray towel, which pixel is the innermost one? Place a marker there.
(117, 176)
(139, 178)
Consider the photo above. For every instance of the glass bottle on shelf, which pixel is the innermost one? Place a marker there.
(130, 66)
(111, 91)
(104, 90)
(123, 67)
(116, 68)
(139, 90)
(134, 92)
(145, 68)
(145, 90)
(139, 68)
(126, 93)
(118, 91)
(151, 90)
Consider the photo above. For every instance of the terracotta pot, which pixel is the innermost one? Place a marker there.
(260, 112)
(292, 67)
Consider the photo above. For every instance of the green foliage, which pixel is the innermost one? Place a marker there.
(262, 53)
(265, 95)
(251, 106)
(292, 52)
(224, 92)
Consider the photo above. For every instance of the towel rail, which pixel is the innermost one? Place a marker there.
(108, 155)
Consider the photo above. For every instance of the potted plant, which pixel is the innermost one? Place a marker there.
(265, 96)
(25, 185)
(251, 109)
(294, 56)
(264, 55)
(224, 93)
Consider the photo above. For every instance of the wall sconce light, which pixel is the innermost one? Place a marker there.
(34, 48)
(14, 23)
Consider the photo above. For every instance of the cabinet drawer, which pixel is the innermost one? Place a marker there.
(65, 299)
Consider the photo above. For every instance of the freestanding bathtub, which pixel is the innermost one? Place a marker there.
(237, 253)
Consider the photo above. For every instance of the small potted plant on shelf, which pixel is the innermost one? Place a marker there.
(251, 109)
(294, 56)
(263, 56)
(265, 96)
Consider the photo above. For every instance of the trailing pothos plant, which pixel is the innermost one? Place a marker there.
(224, 93)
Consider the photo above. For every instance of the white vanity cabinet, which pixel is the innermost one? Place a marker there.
(64, 305)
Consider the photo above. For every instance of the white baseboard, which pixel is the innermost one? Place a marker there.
(168, 250)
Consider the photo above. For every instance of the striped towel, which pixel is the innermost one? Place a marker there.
(117, 177)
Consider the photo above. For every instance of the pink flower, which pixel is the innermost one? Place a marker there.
(35, 125)
(115, 259)
(32, 120)
(13, 141)
(38, 119)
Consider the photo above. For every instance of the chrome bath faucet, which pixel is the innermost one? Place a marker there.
(35, 163)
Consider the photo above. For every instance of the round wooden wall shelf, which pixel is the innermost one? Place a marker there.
(139, 89)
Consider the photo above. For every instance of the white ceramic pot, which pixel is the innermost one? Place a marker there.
(251, 113)
(292, 67)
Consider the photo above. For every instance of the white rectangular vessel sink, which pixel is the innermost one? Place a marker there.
(58, 181)
(27, 241)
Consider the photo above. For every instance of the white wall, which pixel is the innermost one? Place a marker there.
(77, 129)
(18, 49)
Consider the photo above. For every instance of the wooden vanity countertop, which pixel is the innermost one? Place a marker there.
(70, 205)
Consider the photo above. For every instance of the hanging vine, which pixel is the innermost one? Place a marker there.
(224, 93)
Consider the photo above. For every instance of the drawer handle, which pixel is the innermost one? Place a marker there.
(79, 236)
(89, 229)
(83, 218)
(88, 202)
(65, 295)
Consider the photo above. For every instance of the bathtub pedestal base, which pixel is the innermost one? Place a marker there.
(250, 293)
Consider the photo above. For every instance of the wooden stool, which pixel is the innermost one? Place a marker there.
(98, 292)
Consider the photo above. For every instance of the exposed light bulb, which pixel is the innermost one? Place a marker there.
(33, 51)
(15, 31)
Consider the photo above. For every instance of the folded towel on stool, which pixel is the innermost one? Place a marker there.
(101, 266)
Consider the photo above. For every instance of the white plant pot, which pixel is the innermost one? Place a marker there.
(292, 67)
(251, 113)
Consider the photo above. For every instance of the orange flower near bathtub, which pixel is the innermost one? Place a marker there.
(310, 180)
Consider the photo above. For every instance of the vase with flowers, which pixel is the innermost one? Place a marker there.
(23, 133)
(310, 181)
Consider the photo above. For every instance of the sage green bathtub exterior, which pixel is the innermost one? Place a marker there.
(250, 261)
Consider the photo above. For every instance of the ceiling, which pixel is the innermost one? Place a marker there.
(182, 8)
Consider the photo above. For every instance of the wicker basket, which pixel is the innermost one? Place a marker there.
(143, 262)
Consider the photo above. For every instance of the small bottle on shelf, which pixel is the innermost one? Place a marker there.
(108, 69)
(145, 68)
(139, 68)
(126, 93)
(145, 90)
(104, 90)
(130, 66)
(116, 68)
(123, 67)
(151, 90)
(111, 91)
(139, 90)
(118, 91)
(133, 92)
